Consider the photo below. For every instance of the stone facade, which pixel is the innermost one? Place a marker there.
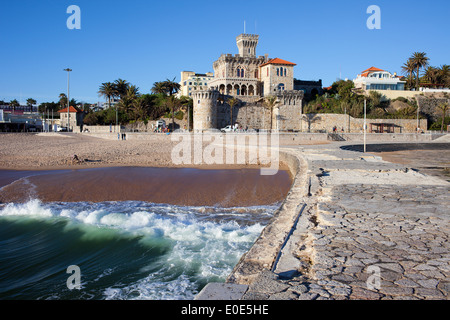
(205, 109)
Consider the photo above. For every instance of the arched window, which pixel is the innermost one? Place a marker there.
(242, 73)
(278, 71)
(285, 72)
(238, 72)
(281, 86)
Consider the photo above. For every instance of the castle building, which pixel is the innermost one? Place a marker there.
(250, 79)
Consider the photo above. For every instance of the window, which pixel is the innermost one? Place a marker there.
(278, 71)
(238, 72)
(285, 72)
(242, 73)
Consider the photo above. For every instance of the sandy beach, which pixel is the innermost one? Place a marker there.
(55, 151)
(150, 174)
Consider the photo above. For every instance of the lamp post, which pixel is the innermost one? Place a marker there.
(68, 98)
(365, 125)
(417, 129)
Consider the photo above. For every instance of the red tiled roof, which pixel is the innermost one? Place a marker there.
(71, 109)
(372, 69)
(278, 61)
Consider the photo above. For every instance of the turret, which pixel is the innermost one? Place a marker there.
(205, 109)
(247, 44)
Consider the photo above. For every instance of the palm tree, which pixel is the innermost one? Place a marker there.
(172, 87)
(443, 107)
(30, 103)
(445, 74)
(269, 103)
(187, 103)
(121, 87)
(108, 90)
(420, 60)
(173, 103)
(133, 91)
(138, 105)
(408, 69)
(232, 102)
(14, 103)
(432, 75)
(128, 98)
(159, 87)
(62, 100)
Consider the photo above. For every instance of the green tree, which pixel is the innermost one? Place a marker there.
(121, 87)
(31, 102)
(62, 100)
(408, 69)
(14, 103)
(445, 75)
(420, 60)
(443, 108)
(139, 108)
(159, 88)
(91, 119)
(232, 102)
(172, 88)
(107, 90)
(187, 103)
(270, 103)
(432, 75)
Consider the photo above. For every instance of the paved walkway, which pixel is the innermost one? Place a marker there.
(370, 230)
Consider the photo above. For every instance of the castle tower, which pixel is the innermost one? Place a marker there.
(205, 109)
(246, 44)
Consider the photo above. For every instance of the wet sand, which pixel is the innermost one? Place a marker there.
(178, 186)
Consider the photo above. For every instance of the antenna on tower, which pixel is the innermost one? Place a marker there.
(244, 26)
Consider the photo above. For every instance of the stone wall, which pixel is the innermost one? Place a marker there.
(428, 104)
(253, 114)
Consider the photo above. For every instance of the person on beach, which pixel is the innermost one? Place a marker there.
(75, 159)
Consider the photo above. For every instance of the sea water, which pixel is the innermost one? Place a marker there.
(124, 249)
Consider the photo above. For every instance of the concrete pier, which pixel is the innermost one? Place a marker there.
(352, 227)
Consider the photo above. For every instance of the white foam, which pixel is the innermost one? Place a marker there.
(32, 208)
(198, 249)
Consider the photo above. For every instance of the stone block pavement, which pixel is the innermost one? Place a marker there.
(370, 230)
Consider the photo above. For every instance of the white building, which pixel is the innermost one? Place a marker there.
(378, 79)
(193, 81)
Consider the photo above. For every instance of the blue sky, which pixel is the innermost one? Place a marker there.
(147, 41)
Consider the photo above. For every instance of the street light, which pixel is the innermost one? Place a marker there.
(365, 125)
(68, 98)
